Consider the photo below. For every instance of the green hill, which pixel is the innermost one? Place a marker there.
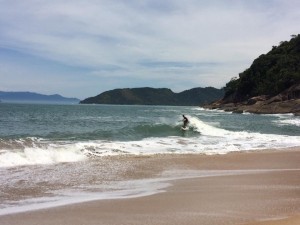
(269, 74)
(156, 96)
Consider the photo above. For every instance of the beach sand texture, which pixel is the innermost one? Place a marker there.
(251, 188)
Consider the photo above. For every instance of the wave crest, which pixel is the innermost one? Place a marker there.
(160, 138)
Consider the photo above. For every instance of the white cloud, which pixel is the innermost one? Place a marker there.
(112, 38)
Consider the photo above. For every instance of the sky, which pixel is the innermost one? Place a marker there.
(81, 48)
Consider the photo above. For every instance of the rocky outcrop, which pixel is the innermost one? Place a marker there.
(287, 101)
(270, 85)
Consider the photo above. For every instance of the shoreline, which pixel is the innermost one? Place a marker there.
(262, 188)
(283, 107)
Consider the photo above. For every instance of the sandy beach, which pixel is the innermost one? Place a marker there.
(251, 188)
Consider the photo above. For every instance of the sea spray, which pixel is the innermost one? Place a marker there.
(206, 129)
(33, 156)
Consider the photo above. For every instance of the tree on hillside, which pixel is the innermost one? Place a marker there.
(270, 73)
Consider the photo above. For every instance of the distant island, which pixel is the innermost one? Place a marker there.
(35, 98)
(270, 85)
(156, 96)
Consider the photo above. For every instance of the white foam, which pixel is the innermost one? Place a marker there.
(32, 156)
(119, 189)
(206, 129)
(115, 190)
(211, 140)
(286, 119)
(294, 122)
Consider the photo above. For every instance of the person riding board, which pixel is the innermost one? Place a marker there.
(185, 121)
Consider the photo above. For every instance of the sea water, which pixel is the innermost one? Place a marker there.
(50, 151)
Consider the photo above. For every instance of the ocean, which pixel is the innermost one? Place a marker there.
(54, 155)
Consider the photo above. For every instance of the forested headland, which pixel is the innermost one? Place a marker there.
(270, 85)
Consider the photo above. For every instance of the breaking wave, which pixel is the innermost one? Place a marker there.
(154, 139)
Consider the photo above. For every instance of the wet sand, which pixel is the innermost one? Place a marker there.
(257, 188)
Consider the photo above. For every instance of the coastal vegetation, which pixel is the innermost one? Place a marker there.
(156, 96)
(269, 74)
(270, 85)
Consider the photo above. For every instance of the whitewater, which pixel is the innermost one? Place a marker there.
(52, 155)
(50, 134)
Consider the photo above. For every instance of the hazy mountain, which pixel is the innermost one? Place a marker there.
(34, 97)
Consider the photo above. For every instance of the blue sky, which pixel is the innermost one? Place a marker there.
(80, 48)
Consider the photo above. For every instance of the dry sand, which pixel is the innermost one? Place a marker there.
(266, 192)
